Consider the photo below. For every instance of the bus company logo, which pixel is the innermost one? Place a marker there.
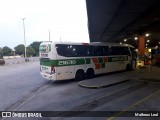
(100, 62)
(6, 114)
(16, 114)
(66, 62)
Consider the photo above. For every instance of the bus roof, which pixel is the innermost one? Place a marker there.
(92, 43)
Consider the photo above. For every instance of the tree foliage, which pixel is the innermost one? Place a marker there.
(19, 49)
(1, 50)
(30, 51)
(6, 51)
(1, 53)
(35, 46)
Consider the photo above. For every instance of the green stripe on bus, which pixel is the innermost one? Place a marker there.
(66, 62)
(81, 61)
(119, 58)
(88, 60)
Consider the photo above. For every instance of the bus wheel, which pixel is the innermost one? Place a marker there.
(128, 67)
(89, 74)
(79, 75)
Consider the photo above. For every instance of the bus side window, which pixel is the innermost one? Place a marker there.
(78, 51)
(124, 51)
(115, 50)
(91, 51)
(63, 50)
(98, 51)
(128, 52)
(85, 50)
(106, 51)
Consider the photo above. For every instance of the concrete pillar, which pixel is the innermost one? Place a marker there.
(141, 44)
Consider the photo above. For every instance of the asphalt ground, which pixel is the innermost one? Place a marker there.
(20, 60)
(23, 89)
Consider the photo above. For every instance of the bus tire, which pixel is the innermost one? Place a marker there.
(79, 75)
(90, 73)
(128, 67)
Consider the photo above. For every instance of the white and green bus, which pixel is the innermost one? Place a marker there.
(62, 61)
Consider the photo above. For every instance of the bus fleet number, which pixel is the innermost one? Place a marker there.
(66, 62)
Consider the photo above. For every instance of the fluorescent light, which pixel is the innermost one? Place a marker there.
(148, 40)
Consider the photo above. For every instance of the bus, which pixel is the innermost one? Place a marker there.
(65, 60)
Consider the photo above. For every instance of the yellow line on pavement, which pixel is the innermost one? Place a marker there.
(126, 109)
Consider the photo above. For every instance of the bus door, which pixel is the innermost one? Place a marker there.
(134, 59)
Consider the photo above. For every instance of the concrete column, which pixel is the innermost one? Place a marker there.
(141, 44)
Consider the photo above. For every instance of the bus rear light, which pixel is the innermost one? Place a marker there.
(52, 69)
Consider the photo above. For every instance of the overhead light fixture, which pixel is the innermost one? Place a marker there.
(148, 40)
(156, 47)
(159, 42)
(146, 44)
(120, 43)
(135, 38)
(125, 40)
(147, 35)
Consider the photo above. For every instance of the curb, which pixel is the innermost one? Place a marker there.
(102, 86)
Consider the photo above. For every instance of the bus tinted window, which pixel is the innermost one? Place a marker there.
(120, 50)
(114, 51)
(62, 50)
(126, 51)
(106, 50)
(81, 51)
(72, 50)
(98, 51)
(95, 51)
